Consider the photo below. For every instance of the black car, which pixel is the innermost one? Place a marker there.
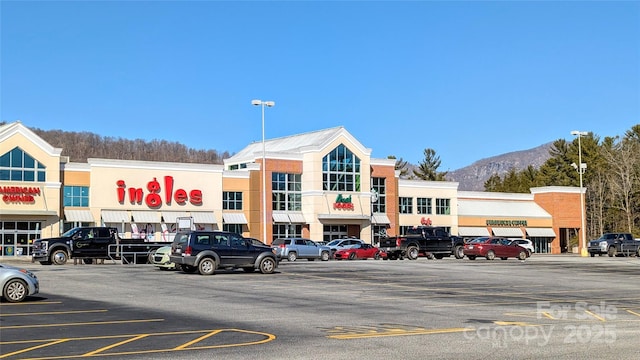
(206, 251)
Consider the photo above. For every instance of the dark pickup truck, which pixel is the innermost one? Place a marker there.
(432, 241)
(614, 244)
(88, 243)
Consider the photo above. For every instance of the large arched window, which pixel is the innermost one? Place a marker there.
(341, 170)
(16, 165)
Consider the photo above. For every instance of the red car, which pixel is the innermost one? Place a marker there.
(492, 247)
(360, 251)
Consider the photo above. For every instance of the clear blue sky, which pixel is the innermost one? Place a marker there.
(469, 79)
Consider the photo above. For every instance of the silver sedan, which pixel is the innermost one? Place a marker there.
(17, 283)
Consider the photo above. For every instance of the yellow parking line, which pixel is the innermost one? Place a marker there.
(33, 348)
(31, 303)
(398, 333)
(79, 324)
(197, 340)
(595, 315)
(55, 313)
(94, 352)
(633, 312)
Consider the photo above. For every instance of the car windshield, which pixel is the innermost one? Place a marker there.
(70, 232)
(334, 242)
(478, 240)
(277, 242)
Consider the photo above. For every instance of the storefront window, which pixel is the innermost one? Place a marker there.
(17, 237)
(341, 170)
(286, 230)
(16, 165)
(232, 200)
(286, 192)
(443, 206)
(406, 205)
(234, 228)
(76, 196)
(423, 205)
(379, 186)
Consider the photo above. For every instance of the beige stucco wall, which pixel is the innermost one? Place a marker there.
(45, 206)
(433, 190)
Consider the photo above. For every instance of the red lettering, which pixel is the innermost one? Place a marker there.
(153, 186)
(168, 189)
(180, 197)
(196, 197)
(135, 195)
(343, 206)
(154, 200)
(120, 191)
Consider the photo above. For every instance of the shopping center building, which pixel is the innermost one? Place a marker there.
(320, 185)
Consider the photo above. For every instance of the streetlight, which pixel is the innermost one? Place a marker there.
(581, 168)
(264, 168)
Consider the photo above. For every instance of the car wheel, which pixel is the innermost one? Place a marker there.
(292, 256)
(59, 257)
(612, 251)
(592, 254)
(529, 253)
(150, 256)
(376, 256)
(491, 255)
(324, 256)
(207, 266)
(459, 252)
(15, 290)
(412, 253)
(638, 252)
(352, 256)
(471, 257)
(522, 255)
(267, 265)
(188, 269)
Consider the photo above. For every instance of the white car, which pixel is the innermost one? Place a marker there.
(17, 283)
(525, 243)
(160, 258)
(340, 244)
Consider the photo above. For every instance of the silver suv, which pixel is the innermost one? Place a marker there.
(339, 244)
(294, 248)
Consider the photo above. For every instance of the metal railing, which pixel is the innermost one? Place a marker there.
(131, 253)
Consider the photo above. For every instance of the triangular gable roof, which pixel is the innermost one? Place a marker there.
(11, 129)
(295, 144)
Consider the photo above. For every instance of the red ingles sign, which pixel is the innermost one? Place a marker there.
(153, 198)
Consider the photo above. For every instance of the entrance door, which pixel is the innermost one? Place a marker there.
(332, 232)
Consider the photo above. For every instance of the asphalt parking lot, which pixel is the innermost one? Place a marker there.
(545, 307)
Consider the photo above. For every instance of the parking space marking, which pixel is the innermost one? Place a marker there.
(386, 330)
(595, 315)
(31, 303)
(56, 312)
(80, 324)
(262, 338)
(33, 348)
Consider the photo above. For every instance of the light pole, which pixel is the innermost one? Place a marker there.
(264, 169)
(581, 168)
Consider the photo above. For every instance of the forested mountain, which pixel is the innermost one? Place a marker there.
(79, 146)
(473, 177)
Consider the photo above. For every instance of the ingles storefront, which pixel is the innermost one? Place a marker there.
(321, 185)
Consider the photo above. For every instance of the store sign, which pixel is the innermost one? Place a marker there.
(153, 197)
(508, 223)
(343, 203)
(19, 194)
